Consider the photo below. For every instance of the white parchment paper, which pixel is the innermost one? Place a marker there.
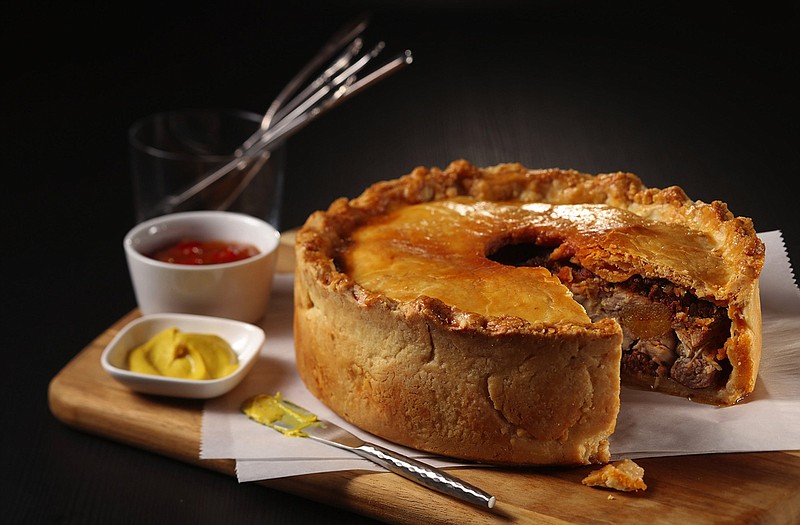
(649, 424)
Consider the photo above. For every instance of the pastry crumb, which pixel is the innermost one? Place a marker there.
(624, 475)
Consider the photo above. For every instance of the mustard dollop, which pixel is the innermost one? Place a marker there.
(178, 354)
(274, 412)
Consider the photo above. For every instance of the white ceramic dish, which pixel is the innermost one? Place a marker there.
(245, 339)
(236, 290)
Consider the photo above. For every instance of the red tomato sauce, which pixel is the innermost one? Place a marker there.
(204, 252)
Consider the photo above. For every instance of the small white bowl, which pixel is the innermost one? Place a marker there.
(245, 339)
(237, 290)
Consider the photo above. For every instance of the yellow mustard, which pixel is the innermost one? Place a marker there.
(184, 355)
(273, 412)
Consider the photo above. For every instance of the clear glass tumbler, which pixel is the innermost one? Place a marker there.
(171, 151)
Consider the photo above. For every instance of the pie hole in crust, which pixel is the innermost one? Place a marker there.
(532, 248)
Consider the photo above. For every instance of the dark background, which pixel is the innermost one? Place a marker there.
(703, 98)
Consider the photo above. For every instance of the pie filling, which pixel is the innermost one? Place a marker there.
(667, 331)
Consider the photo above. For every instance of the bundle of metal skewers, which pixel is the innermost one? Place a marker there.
(344, 66)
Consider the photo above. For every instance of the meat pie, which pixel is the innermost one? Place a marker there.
(489, 313)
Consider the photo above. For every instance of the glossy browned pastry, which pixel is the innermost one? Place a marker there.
(625, 476)
(486, 313)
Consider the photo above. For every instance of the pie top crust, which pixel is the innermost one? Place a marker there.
(725, 255)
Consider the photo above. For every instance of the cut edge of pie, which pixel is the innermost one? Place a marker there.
(501, 388)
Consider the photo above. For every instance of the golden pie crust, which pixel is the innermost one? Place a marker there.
(408, 326)
(625, 476)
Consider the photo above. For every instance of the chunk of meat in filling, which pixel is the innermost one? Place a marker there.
(667, 331)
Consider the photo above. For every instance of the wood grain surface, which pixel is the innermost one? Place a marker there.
(724, 488)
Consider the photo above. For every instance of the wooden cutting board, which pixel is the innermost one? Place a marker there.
(722, 488)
